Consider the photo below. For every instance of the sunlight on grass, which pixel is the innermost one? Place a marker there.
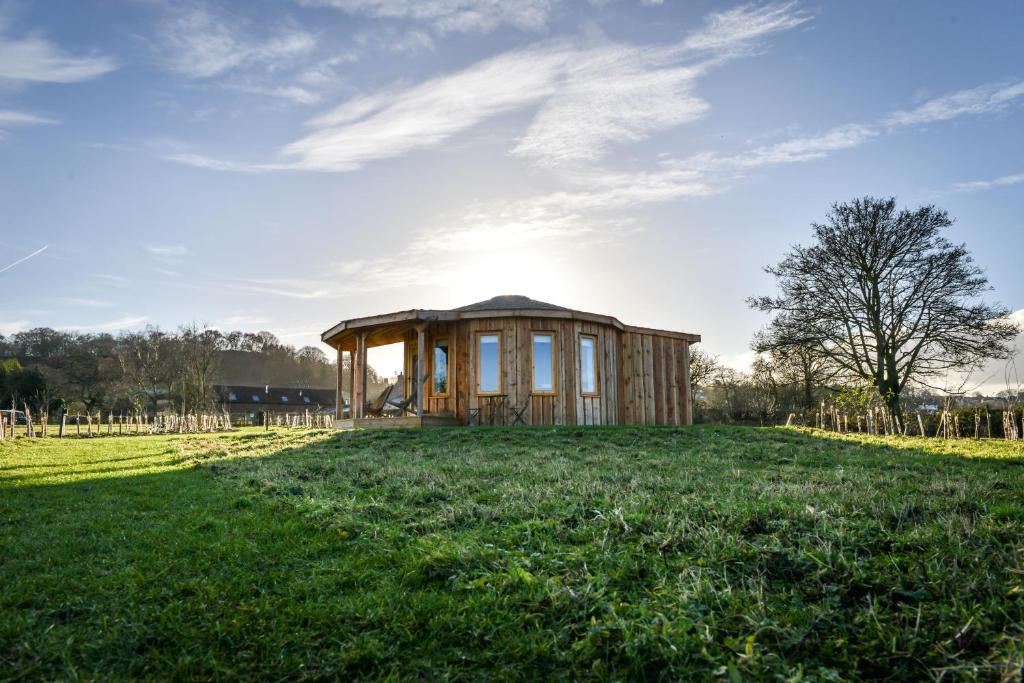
(530, 553)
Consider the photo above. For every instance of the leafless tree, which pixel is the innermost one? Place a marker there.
(149, 363)
(199, 361)
(703, 367)
(883, 295)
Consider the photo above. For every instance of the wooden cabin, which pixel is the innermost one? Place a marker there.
(513, 360)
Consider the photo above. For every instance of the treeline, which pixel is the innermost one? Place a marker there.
(56, 370)
(806, 390)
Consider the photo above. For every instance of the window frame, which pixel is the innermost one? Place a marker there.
(554, 363)
(501, 364)
(448, 366)
(597, 366)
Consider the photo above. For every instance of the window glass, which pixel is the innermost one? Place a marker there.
(441, 367)
(543, 359)
(588, 365)
(490, 363)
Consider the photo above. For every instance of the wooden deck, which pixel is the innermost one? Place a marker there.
(410, 422)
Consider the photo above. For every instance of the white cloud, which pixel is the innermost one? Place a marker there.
(351, 278)
(198, 43)
(34, 58)
(236, 320)
(739, 28)
(292, 93)
(86, 303)
(210, 163)
(1003, 181)
(127, 322)
(116, 280)
(14, 326)
(10, 117)
(593, 98)
(466, 16)
(168, 250)
(393, 122)
(25, 258)
(803, 149)
(608, 97)
(984, 99)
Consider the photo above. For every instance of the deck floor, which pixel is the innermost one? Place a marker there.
(407, 422)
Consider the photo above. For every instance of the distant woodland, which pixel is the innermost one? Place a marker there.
(54, 370)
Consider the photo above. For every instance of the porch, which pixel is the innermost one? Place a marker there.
(422, 397)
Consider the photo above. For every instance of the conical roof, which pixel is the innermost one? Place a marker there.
(508, 302)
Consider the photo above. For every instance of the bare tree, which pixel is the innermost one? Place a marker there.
(703, 367)
(883, 295)
(199, 361)
(149, 363)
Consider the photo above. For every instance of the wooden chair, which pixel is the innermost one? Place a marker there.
(376, 408)
(404, 404)
(517, 413)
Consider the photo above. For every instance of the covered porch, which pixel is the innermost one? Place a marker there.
(424, 396)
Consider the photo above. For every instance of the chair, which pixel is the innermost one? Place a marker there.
(517, 413)
(404, 404)
(376, 408)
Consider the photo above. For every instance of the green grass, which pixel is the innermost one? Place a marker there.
(532, 553)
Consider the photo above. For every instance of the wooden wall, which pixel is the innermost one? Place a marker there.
(655, 380)
(567, 405)
(643, 378)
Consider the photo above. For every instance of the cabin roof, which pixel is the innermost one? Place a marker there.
(511, 302)
(389, 327)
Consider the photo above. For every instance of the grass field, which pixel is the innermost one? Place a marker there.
(532, 553)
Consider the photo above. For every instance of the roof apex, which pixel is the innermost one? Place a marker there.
(508, 302)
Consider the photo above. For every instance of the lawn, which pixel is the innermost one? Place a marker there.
(529, 554)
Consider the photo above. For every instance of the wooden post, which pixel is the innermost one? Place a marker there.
(362, 372)
(420, 350)
(920, 424)
(340, 401)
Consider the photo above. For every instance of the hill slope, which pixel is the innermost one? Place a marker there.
(515, 553)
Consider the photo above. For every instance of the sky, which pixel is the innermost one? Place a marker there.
(285, 165)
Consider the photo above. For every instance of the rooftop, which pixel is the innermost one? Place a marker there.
(510, 302)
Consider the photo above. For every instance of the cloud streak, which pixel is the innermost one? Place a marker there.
(35, 253)
(198, 43)
(445, 16)
(1003, 181)
(984, 99)
(591, 98)
(10, 117)
(34, 58)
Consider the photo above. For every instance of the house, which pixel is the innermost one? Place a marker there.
(512, 359)
(252, 401)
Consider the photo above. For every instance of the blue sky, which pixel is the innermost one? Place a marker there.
(284, 165)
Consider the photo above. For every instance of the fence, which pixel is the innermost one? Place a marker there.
(132, 424)
(946, 423)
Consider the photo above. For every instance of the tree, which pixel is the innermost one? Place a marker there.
(886, 298)
(703, 367)
(149, 364)
(199, 362)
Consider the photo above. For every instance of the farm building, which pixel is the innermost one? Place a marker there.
(511, 360)
(254, 401)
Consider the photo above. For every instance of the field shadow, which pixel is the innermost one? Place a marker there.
(253, 566)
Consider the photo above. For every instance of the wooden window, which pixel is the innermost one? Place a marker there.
(589, 377)
(543, 355)
(488, 363)
(440, 371)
